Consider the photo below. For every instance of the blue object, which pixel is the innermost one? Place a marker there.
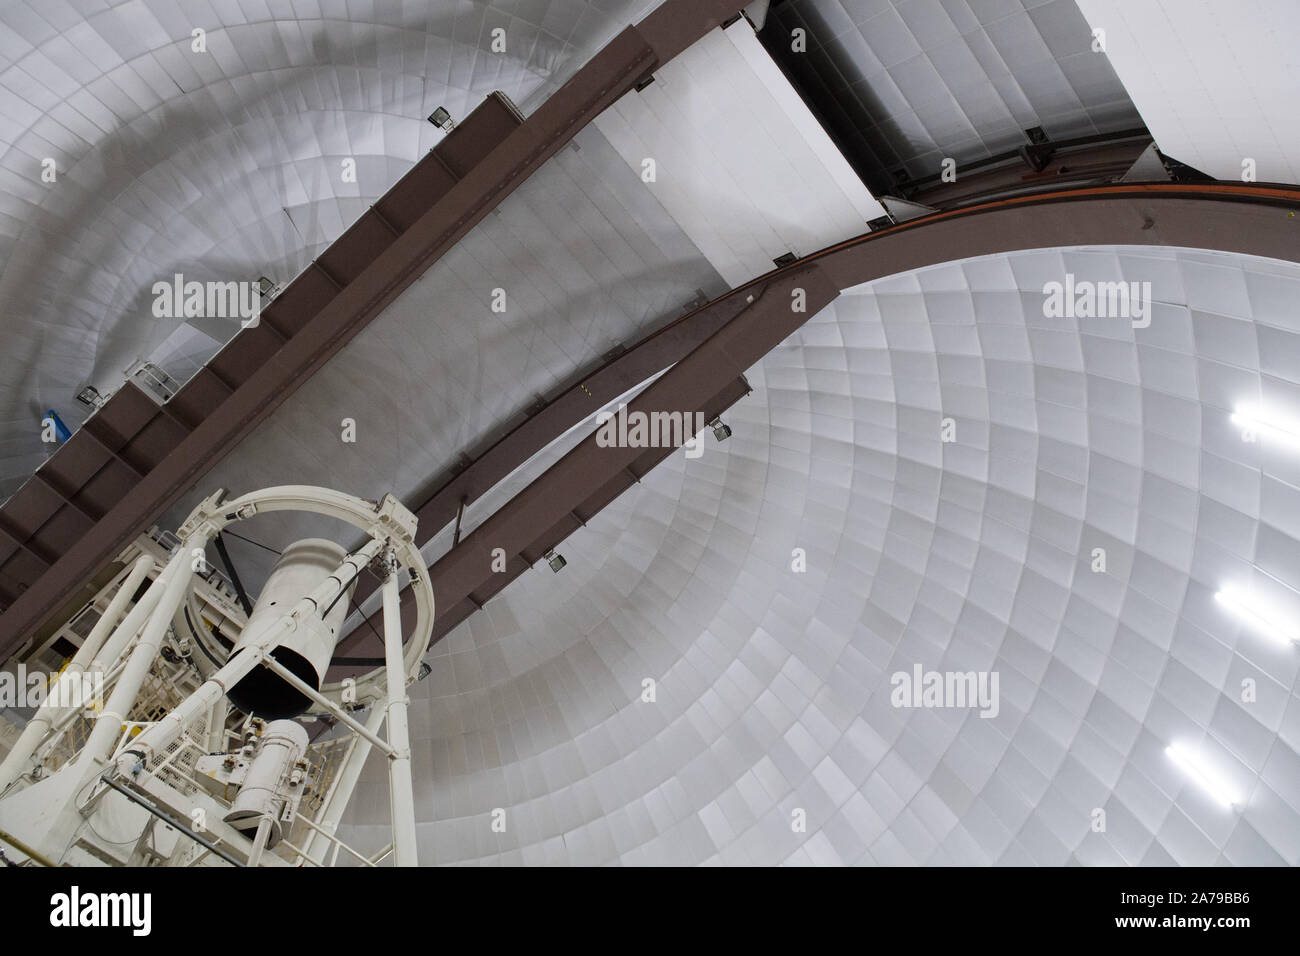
(61, 431)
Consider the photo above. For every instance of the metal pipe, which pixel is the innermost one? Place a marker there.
(259, 841)
(17, 762)
(108, 622)
(217, 725)
(301, 685)
(114, 646)
(63, 721)
(168, 819)
(162, 733)
(186, 741)
(346, 780)
(299, 854)
(338, 844)
(99, 744)
(222, 553)
(328, 797)
(26, 850)
(401, 790)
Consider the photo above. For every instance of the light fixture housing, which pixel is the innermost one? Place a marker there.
(721, 430)
(90, 397)
(556, 561)
(441, 118)
(265, 286)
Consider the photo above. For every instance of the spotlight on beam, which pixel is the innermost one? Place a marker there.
(441, 118)
(90, 397)
(265, 286)
(556, 561)
(721, 430)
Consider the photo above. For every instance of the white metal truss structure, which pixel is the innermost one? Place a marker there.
(156, 767)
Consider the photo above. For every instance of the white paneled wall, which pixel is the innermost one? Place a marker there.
(1216, 83)
(739, 161)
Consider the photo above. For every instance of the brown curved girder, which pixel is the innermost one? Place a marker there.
(723, 338)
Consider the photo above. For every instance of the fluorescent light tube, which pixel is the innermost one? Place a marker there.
(1261, 618)
(1253, 418)
(1194, 767)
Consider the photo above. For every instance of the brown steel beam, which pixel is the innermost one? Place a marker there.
(457, 595)
(671, 343)
(65, 496)
(1250, 219)
(1094, 165)
(651, 355)
(91, 429)
(617, 68)
(1137, 138)
(687, 387)
(25, 544)
(738, 329)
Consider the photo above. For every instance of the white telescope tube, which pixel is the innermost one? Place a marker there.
(283, 742)
(160, 735)
(16, 762)
(105, 732)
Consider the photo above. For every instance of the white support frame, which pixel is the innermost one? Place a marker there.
(127, 643)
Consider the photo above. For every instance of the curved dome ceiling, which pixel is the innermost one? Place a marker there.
(773, 687)
(225, 164)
